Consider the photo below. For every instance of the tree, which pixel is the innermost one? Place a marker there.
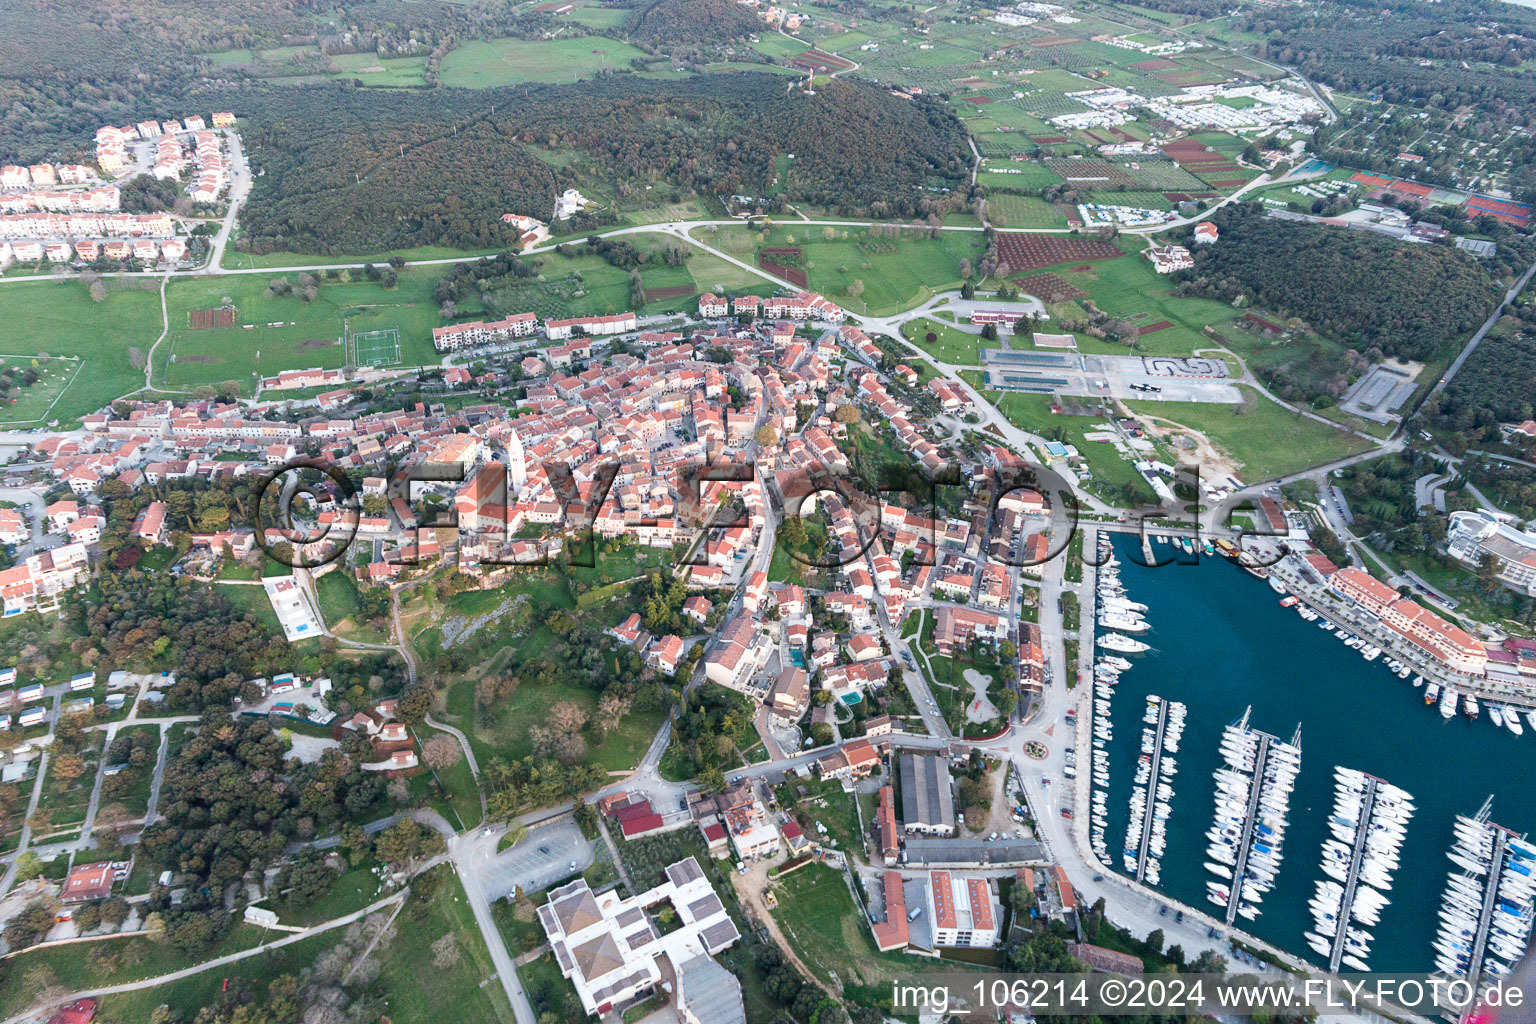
(28, 866)
(1154, 943)
(1488, 568)
(114, 911)
(402, 842)
(711, 779)
(442, 751)
(792, 531)
(414, 705)
(69, 766)
(29, 927)
(1209, 962)
(846, 414)
(766, 436)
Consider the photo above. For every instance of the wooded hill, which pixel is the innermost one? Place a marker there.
(1362, 289)
(673, 25)
(347, 171)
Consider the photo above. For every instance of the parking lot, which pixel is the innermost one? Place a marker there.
(542, 859)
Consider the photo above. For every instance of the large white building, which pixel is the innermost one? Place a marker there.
(609, 948)
(1470, 534)
(961, 910)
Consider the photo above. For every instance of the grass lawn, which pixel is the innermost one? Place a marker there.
(950, 344)
(1033, 413)
(355, 888)
(839, 816)
(1269, 440)
(342, 606)
(139, 780)
(459, 782)
(819, 918)
(504, 731)
(416, 990)
(191, 994)
(480, 64)
(253, 601)
(371, 69)
(784, 567)
(250, 261)
(136, 959)
(308, 334)
(60, 319)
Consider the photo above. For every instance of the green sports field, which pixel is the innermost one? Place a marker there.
(306, 334)
(481, 64)
(60, 319)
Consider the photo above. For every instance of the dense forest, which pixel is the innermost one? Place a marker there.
(1348, 44)
(1360, 288)
(1497, 383)
(679, 26)
(345, 170)
(123, 60)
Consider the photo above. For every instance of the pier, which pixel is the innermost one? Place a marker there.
(1157, 757)
(1490, 897)
(1352, 882)
(1250, 819)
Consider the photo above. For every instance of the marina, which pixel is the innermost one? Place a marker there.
(1369, 820)
(1486, 909)
(1151, 801)
(1252, 799)
(1218, 641)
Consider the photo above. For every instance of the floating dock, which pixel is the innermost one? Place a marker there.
(1352, 881)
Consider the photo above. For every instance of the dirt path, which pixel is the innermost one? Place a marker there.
(750, 888)
(1205, 453)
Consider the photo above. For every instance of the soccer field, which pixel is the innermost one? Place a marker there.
(375, 348)
(356, 323)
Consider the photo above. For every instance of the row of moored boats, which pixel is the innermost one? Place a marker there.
(1490, 898)
(1369, 821)
(1152, 792)
(1448, 697)
(1252, 805)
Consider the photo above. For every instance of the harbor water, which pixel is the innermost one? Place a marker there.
(1220, 643)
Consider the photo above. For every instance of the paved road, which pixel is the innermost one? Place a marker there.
(461, 849)
(9, 878)
(1471, 346)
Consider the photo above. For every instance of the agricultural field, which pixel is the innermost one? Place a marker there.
(1018, 174)
(102, 340)
(296, 65)
(1128, 288)
(1264, 438)
(594, 16)
(1010, 211)
(309, 334)
(858, 269)
(481, 64)
(371, 69)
